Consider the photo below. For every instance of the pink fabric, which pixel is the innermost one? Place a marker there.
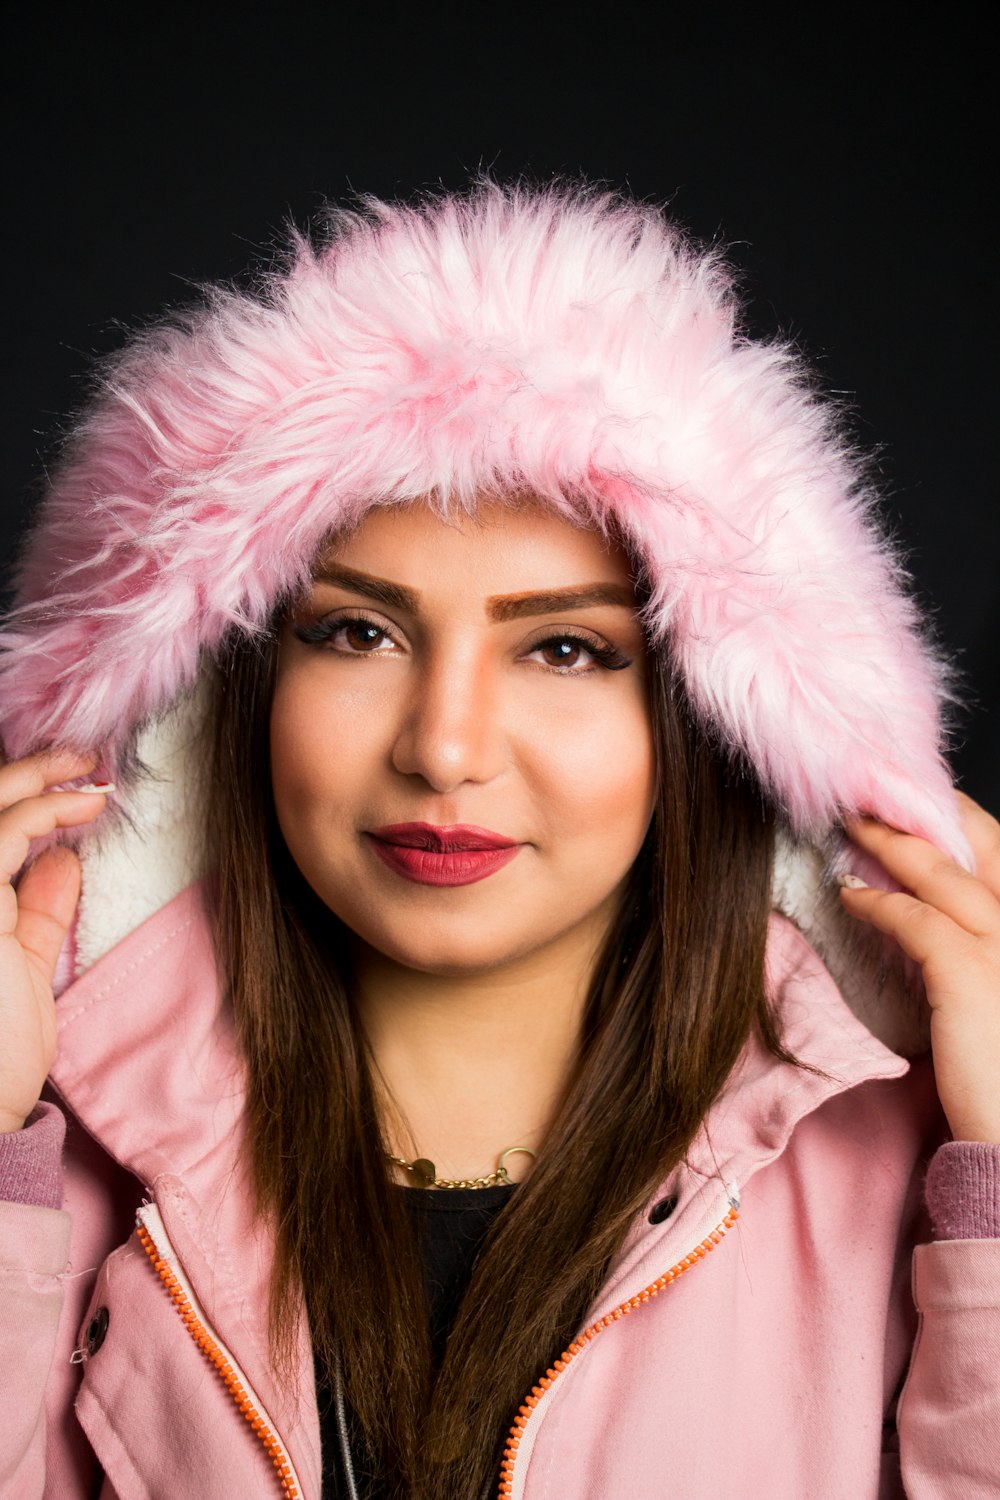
(31, 1160)
(776, 1356)
(963, 1191)
(951, 1389)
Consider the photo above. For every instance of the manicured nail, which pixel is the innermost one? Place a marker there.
(852, 883)
(97, 788)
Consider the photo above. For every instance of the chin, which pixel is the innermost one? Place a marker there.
(450, 955)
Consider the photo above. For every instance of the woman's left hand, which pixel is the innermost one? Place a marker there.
(949, 922)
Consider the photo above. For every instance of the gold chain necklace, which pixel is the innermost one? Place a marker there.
(424, 1172)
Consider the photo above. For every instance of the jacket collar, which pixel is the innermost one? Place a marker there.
(754, 1116)
(764, 1099)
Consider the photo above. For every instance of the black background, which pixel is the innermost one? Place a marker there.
(845, 167)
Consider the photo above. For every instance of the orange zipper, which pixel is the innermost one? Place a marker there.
(222, 1365)
(580, 1343)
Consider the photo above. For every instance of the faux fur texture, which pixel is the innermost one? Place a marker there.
(558, 341)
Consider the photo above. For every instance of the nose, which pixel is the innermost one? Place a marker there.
(450, 730)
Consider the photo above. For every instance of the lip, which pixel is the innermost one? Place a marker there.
(444, 856)
(442, 839)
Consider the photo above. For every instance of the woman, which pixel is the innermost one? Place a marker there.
(477, 637)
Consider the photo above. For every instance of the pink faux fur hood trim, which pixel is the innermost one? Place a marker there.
(560, 341)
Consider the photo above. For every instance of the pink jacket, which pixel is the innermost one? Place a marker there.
(752, 1339)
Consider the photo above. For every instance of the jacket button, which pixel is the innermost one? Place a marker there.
(97, 1330)
(663, 1209)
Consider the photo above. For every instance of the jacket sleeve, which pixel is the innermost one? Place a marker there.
(949, 1410)
(31, 1159)
(34, 1249)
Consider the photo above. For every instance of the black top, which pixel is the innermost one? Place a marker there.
(449, 1226)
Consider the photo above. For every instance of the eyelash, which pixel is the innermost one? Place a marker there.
(605, 656)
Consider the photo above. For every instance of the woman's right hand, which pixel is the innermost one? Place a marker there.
(35, 917)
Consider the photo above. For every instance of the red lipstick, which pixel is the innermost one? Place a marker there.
(458, 854)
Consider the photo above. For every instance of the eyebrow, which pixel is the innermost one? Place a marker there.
(500, 606)
(551, 601)
(380, 589)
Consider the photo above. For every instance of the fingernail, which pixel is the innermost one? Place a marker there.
(97, 788)
(852, 883)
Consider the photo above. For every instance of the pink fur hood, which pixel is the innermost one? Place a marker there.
(559, 340)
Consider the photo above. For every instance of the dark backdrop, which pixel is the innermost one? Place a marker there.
(845, 168)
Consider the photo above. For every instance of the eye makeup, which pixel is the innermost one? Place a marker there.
(603, 654)
(330, 625)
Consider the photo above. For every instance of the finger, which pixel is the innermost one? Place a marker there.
(46, 901)
(929, 874)
(35, 773)
(923, 932)
(37, 818)
(983, 832)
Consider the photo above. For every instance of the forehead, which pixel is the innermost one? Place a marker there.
(503, 547)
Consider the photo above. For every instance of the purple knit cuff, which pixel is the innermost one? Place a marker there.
(31, 1159)
(963, 1191)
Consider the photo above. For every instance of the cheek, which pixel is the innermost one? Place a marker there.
(600, 778)
(311, 757)
(292, 746)
(321, 723)
(625, 792)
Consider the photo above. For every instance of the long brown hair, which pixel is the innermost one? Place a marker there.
(675, 994)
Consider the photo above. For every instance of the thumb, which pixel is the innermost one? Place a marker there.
(47, 895)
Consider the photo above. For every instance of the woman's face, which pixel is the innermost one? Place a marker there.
(447, 685)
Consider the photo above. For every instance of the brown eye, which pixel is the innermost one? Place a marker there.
(351, 635)
(562, 652)
(362, 634)
(575, 656)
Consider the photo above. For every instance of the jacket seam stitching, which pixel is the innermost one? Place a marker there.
(68, 1019)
